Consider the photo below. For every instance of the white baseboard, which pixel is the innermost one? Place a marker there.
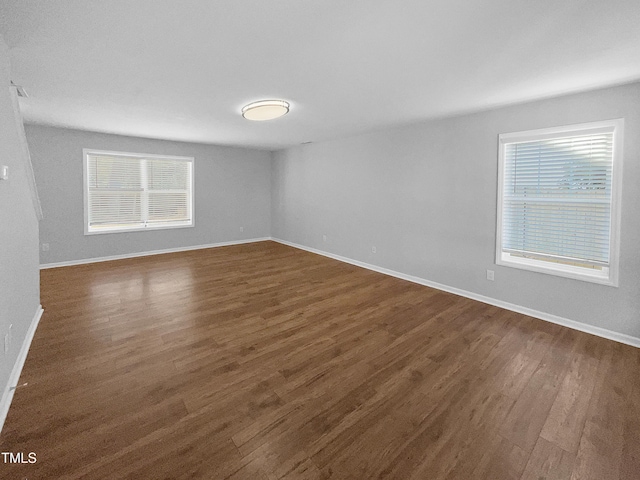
(151, 252)
(565, 322)
(583, 327)
(14, 378)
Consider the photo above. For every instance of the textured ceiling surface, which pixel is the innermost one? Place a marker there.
(182, 70)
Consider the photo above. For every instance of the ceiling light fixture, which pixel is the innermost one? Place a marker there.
(265, 110)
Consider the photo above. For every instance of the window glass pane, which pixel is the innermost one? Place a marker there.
(126, 191)
(168, 175)
(114, 173)
(557, 198)
(168, 206)
(120, 208)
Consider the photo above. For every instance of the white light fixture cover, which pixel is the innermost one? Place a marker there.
(265, 110)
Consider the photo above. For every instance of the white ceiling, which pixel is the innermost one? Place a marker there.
(182, 70)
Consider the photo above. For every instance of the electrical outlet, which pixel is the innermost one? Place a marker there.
(490, 275)
(373, 249)
(45, 247)
(4, 172)
(241, 229)
(324, 238)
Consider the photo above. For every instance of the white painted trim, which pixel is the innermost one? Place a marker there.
(610, 276)
(14, 378)
(22, 137)
(151, 252)
(565, 322)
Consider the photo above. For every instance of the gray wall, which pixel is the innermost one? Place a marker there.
(232, 190)
(425, 196)
(19, 272)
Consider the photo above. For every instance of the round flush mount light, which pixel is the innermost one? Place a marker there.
(265, 110)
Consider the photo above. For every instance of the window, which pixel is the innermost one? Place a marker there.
(559, 201)
(127, 191)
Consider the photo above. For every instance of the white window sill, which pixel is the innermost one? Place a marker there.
(135, 228)
(602, 277)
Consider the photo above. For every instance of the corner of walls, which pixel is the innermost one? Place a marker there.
(232, 195)
(277, 205)
(425, 196)
(272, 188)
(565, 322)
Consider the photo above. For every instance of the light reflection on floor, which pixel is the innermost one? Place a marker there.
(145, 293)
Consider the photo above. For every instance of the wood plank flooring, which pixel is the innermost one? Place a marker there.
(261, 361)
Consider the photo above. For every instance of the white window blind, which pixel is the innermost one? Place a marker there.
(130, 191)
(557, 199)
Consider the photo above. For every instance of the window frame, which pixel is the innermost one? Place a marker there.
(86, 152)
(607, 276)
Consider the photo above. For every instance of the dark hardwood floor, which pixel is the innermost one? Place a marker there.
(261, 361)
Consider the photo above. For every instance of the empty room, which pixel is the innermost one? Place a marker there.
(262, 239)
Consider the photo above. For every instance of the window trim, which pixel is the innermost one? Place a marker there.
(606, 277)
(86, 152)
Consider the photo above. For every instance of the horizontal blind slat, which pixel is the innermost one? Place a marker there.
(137, 191)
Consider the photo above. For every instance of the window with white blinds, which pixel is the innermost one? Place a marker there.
(558, 200)
(125, 192)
